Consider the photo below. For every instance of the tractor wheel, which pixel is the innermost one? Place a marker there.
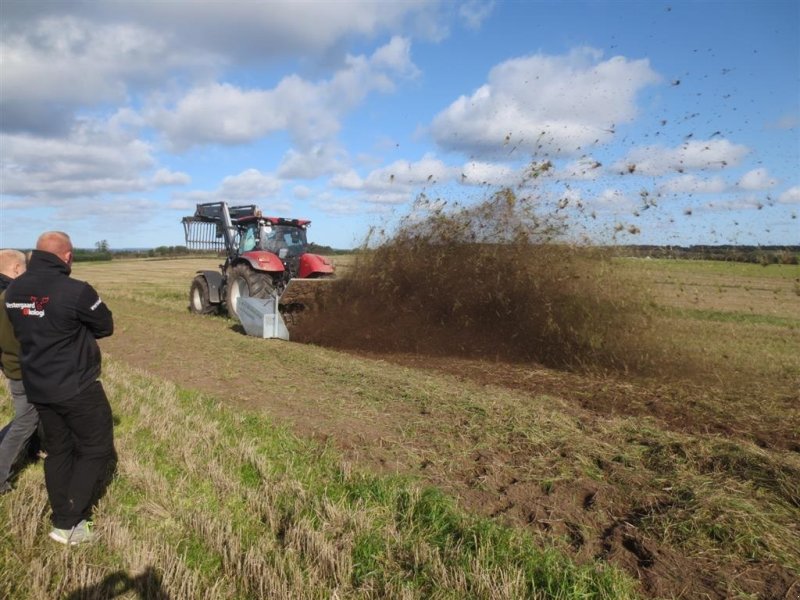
(199, 300)
(244, 282)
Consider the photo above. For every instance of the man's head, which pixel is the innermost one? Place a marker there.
(56, 242)
(12, 263)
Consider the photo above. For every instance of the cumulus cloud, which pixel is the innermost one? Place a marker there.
(167, 177)
(59, 57)
(349, 180)
(90, 162)
(251, 184)
(120, 215)
(310, 111)
(407, 175)
(301, 191)
(397, 182)
(790, 196)
(787, 121)
(474, 12)
(60, 65)
(694, 155)
(486, 173)
(321, 159)
(691, 184)
(545, 104)
(757, 179)
(585, 168)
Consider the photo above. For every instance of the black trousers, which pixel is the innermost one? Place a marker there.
(80, 453)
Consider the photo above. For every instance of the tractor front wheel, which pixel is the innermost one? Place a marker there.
(199, 299)
(244, 282)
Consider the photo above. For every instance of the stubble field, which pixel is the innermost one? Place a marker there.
(278, 469)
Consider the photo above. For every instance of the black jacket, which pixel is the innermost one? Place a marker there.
(56, 320)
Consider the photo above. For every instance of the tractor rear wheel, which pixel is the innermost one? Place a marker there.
(199, 299)
(245, 282)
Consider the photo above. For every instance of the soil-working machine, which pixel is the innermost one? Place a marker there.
(264, 257)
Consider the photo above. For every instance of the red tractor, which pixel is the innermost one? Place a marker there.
(263, 256)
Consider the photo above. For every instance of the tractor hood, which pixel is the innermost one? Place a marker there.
(314, 265)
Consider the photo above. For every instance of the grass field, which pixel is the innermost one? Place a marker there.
(261, 468)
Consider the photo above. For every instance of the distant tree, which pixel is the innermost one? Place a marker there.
(102, 246)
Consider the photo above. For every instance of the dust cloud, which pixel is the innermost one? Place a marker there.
(496, 281)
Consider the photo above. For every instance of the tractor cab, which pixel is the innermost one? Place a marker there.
(286, 238)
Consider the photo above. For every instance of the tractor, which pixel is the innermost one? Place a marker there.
(264, 256)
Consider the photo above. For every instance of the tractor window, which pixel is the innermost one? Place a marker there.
(248, 239)
(293, 239)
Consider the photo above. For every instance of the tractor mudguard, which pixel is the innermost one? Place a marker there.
(261, 260)
(314, 265)
(214, 281)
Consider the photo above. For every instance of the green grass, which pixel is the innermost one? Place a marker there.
(715, 267)
(725, 316)
(203, 491)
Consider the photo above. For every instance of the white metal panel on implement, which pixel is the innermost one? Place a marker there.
(260, 317)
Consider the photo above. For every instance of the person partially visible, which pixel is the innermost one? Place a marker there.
(57, 320)
(23, 427)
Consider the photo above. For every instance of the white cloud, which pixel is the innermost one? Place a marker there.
(757, 179)
(585, 168)
(167, 177)
(614, 199)
(91, 162)
(59, 57)
(321, 159)
(545, 104)
(474, 12)
(397, 182)
(301, 192)
(311, 112)
(486, 173)
(787, 121)
(121, 214)
(408, 175)
(691, 184)
(62, 64)
(333, 205)
(249, 185)
(694, 155)
(349, 180)
(790, 196)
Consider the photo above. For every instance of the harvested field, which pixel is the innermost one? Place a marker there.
(688, 483)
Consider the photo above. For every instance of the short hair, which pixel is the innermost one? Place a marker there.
(55, 242)
(9, 258)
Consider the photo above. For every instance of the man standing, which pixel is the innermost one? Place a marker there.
(57, 320)
(22, 428)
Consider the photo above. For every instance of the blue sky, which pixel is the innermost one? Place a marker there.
(664, 122)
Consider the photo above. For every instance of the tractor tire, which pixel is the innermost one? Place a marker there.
(199, 298)
(245, 282)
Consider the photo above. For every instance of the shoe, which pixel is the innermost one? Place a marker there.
(79, 534)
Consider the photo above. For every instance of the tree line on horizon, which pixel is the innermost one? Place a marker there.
(765, 255)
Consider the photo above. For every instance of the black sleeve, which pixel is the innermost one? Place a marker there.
(93, 313)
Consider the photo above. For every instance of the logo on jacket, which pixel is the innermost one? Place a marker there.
(34, 308)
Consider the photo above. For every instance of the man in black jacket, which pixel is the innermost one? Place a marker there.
(56, 320)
